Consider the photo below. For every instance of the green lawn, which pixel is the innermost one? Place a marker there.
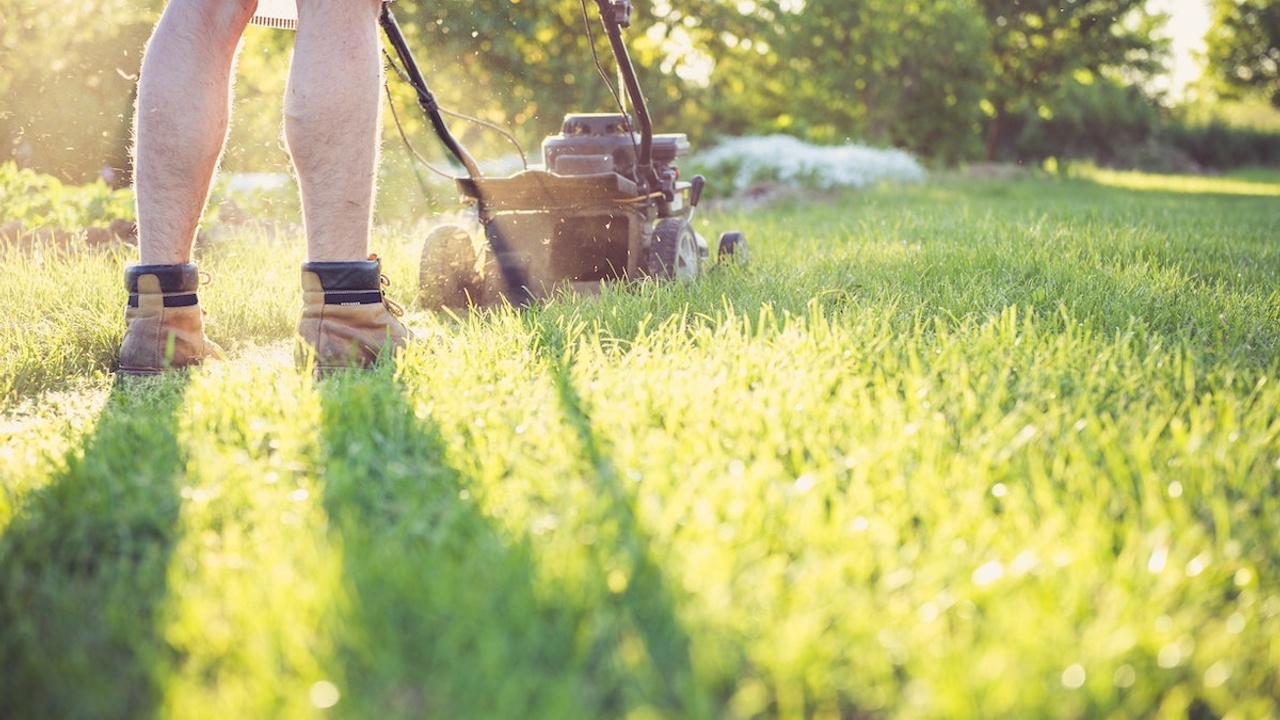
(968, 449)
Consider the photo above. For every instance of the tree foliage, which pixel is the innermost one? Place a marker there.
(936, 77)
(67, 73)
(524, 67)
(907, 74)
(1243, 46)
(915, 74)
(1038, 46)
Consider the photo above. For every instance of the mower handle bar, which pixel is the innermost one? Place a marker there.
(616, 14)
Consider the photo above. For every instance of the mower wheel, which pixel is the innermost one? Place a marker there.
(704, 252)
(447, 274)
(733, 247)
(673, 250)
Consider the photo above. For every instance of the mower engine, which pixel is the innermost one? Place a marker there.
(596, 143)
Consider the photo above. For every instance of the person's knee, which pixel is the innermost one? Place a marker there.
(239, 12)
(373, 7)
(216, 19)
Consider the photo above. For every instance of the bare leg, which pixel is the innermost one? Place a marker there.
(182, 117)
(332, 109)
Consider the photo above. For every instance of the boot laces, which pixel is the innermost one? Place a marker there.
(205, 281)
(391, 305)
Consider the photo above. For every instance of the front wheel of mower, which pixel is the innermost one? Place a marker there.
(673, 251)
(447, 274)
(733, 248)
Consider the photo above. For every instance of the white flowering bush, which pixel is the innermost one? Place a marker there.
(740, 163)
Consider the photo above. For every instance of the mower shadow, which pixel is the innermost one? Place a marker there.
(83, 567)
(446, 615)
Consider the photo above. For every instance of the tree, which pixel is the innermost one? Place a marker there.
(69, 68)
(1243, 46)
(1038, 45)
(909, 74)
(523, 65)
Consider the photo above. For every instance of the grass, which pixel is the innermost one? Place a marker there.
(981, 449)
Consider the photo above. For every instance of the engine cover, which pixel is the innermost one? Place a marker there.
(592, 143)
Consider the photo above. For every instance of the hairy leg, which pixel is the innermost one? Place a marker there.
(183, 111)
(332, 110)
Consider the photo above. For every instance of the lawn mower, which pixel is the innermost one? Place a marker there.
(606, 204)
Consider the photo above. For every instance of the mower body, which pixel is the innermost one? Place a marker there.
(579, 219)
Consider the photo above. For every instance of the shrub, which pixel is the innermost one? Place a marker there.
(1222, 147)
(737, 164)
(1100, 120)
(38, 200)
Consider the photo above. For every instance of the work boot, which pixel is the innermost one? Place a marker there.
(347, 320)
(164, 324)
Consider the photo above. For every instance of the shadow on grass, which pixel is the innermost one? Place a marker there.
(437, 598)
(83, 568)
(447, 616)
(647, 637)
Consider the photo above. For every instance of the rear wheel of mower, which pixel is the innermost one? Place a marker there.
(673, 250)
(733, 248)
(447, 273)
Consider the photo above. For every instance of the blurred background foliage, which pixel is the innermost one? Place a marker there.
(67, 74)
(952, 81)
(1244, 49)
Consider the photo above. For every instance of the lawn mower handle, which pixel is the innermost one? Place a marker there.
(616, 15)
(425, 98)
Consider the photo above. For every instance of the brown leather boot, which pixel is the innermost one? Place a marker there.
(347, 320)
(164, 325)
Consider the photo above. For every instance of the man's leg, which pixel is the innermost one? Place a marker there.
(332, 108)
(332, 111)
(183, 111)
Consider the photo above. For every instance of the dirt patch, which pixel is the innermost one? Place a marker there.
(772, 194)
(231, 222)
(996, 171)
(1155, 156)
(117, 232)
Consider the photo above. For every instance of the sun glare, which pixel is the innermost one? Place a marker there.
(1188, 22)
(1189, 184)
